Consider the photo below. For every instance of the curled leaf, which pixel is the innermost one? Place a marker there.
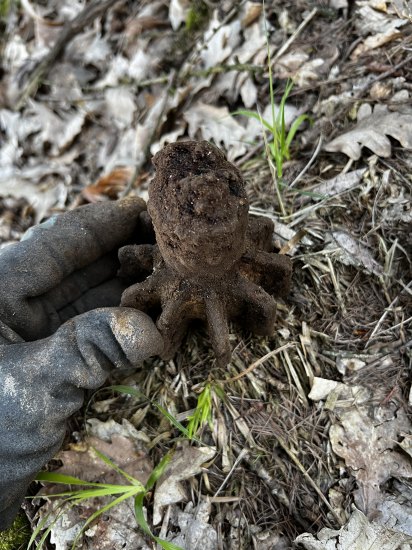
(372, 131)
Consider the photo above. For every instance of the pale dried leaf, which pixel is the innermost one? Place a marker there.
(217, 124)
(349, 365)
(355, 253)
(178, 11)
(116, 528)
(396, 515)
(42, 197)
(371, 132)
(291, 61)
(339, 184)
(219, 41)
(373, 21)
(321, 388)
(58, 132)
(120, 106)
(367, 445)
(338, 4)
(358, 534)
(233, 83)
(106, 430)
(195, 531)
(186, 462)
(406, 444)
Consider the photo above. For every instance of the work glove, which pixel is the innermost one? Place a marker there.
(60, 334)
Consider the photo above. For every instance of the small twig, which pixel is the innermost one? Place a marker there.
(240, 457)
(288, 42)
(336, 285)
(383, 317)
(401, 324)
(256, 364)
(69, 31)
(297, 237)
(308, 165)
(382, 76)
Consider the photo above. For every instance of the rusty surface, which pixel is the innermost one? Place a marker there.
(212, 261)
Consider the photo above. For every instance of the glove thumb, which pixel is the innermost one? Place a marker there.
(42, 383)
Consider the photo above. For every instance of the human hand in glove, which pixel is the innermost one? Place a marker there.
(60, 333)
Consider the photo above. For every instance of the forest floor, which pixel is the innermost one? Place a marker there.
(309, 441)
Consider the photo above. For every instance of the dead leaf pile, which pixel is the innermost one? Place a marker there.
(358, 534)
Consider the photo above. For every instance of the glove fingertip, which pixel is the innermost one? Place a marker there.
(136, 334)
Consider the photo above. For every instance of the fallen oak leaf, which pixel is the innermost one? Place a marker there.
(353, 252)
(358, 534)
(367, 444)
(109, 186)
(185, 463)
(372, 131)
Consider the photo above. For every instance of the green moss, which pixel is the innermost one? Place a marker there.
(17, 537)
(196, 16)
(4, 8)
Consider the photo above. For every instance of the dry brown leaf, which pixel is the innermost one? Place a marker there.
(108, 186)
(376, 24)
(117, 527)
(372, 131)
(367, 444)
(82, 462)
(252, 11)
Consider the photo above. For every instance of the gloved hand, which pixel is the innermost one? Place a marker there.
(61, 269)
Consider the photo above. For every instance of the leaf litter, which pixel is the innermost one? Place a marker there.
(330, 414)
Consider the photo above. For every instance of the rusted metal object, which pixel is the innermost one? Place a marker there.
(212, 261)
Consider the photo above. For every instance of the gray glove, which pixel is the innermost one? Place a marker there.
(59, 271)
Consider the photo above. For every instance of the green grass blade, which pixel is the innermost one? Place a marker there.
(136, 393)
(253, 114)
(295, 127)
(64, 479)
(42, 525)
(139, 514)
(167, 545)
(172, 419)
(114, 466)
(202, 412)
(141, 521)
(98, 513)
(128, 390)
(158, 471)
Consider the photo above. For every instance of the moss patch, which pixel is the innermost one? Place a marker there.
(17, 537)
(197, 16)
